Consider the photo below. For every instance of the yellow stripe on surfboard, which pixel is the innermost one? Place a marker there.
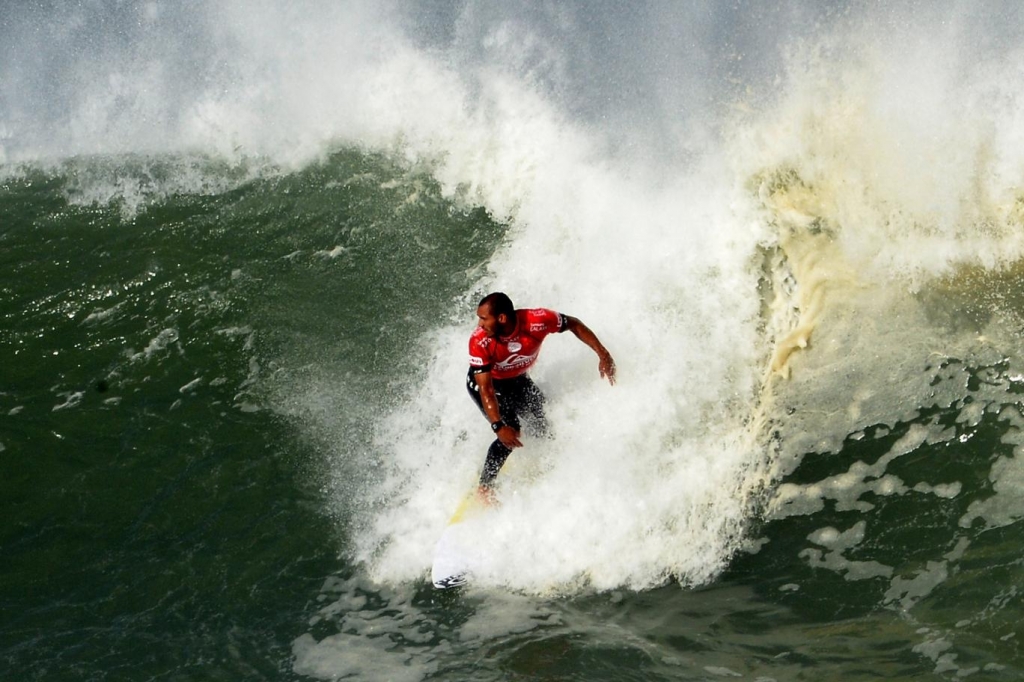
(470, 504)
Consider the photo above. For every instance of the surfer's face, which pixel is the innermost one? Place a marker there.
(490, 323)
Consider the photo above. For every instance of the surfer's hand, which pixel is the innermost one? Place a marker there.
(606, 366)
(509, 437)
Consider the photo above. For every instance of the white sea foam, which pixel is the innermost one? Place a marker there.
(651, 479)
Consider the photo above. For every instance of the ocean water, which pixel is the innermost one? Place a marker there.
(241, 249)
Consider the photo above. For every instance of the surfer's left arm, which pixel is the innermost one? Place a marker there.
(605, 364)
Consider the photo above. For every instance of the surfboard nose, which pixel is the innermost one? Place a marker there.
(450, 581)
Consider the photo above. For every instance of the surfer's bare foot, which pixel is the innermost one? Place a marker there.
(486, 495)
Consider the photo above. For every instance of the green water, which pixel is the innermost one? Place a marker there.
(159, 517)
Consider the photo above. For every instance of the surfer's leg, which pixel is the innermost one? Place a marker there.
(496, 456)
(517, 398)
(497, 453)
(530, 403)
(508, 395)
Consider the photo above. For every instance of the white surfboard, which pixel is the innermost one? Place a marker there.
(455, 552)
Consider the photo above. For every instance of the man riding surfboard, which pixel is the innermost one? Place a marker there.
(502, 349)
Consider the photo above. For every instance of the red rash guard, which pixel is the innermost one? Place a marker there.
(510, 356)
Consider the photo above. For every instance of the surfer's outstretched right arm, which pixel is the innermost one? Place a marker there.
(605, 363)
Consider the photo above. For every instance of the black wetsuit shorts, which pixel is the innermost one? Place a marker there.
(518, 399)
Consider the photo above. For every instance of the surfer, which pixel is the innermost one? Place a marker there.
(502, 348)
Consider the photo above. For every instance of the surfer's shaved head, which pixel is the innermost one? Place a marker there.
(499, 304)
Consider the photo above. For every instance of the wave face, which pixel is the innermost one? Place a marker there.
(245, 243)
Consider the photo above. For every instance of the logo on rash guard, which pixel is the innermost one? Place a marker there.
(514, 362)
(515, 346)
